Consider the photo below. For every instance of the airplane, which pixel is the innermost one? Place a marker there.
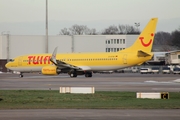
(86, 63)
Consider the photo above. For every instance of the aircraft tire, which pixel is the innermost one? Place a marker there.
(20, 75)
(88, 75)
(73, 75)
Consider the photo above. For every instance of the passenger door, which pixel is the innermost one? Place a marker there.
(20, 61)
(125, 59)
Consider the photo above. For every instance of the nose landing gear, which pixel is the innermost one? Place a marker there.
(20, 75)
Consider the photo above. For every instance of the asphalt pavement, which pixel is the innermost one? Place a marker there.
(135, 82)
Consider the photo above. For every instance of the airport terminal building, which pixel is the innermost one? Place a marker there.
(12, 46)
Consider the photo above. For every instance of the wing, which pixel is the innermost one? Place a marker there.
(63, 65)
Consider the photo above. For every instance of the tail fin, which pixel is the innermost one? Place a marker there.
(145, 40)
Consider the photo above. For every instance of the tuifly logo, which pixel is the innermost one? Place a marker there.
(146, 44)
(39, 59)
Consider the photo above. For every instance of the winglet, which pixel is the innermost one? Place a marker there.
(53, 57)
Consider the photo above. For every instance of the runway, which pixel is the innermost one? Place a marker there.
(89, 114)
(135, 82)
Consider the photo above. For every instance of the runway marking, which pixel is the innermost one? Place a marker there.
(177, 80)
(152, 81)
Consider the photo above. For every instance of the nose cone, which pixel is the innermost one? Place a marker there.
(7, 65)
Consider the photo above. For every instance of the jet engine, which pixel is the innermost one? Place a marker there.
(50, 70)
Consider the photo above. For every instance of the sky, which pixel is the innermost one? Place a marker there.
(27, 17)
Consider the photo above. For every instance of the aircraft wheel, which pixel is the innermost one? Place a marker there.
(73, 75)
(88, 74)
(20, 75)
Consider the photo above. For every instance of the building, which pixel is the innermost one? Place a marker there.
(158, 58)
(115, 43)
(172, 58)
(16, 45)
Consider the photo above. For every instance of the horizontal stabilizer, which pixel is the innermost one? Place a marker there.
(142, 54)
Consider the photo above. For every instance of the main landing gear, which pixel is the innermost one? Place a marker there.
(88, 74)
(74, 73)
(20, 75)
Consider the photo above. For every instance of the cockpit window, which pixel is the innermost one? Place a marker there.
(11, 60)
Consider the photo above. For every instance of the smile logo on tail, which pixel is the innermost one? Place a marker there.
(146, 44)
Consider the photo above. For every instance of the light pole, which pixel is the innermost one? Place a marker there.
(46, 42)
(7, 48)
(72, 43)
(137, 25)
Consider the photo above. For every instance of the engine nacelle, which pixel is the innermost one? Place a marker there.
(50, 70)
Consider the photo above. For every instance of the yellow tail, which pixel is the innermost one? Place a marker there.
(145, 40)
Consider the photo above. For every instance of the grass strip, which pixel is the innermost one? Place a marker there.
(52, 99)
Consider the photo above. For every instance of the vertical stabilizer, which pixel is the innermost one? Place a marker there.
(145, 40)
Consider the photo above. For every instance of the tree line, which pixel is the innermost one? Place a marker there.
(164, 39)
(168, 41)
(111, 30)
